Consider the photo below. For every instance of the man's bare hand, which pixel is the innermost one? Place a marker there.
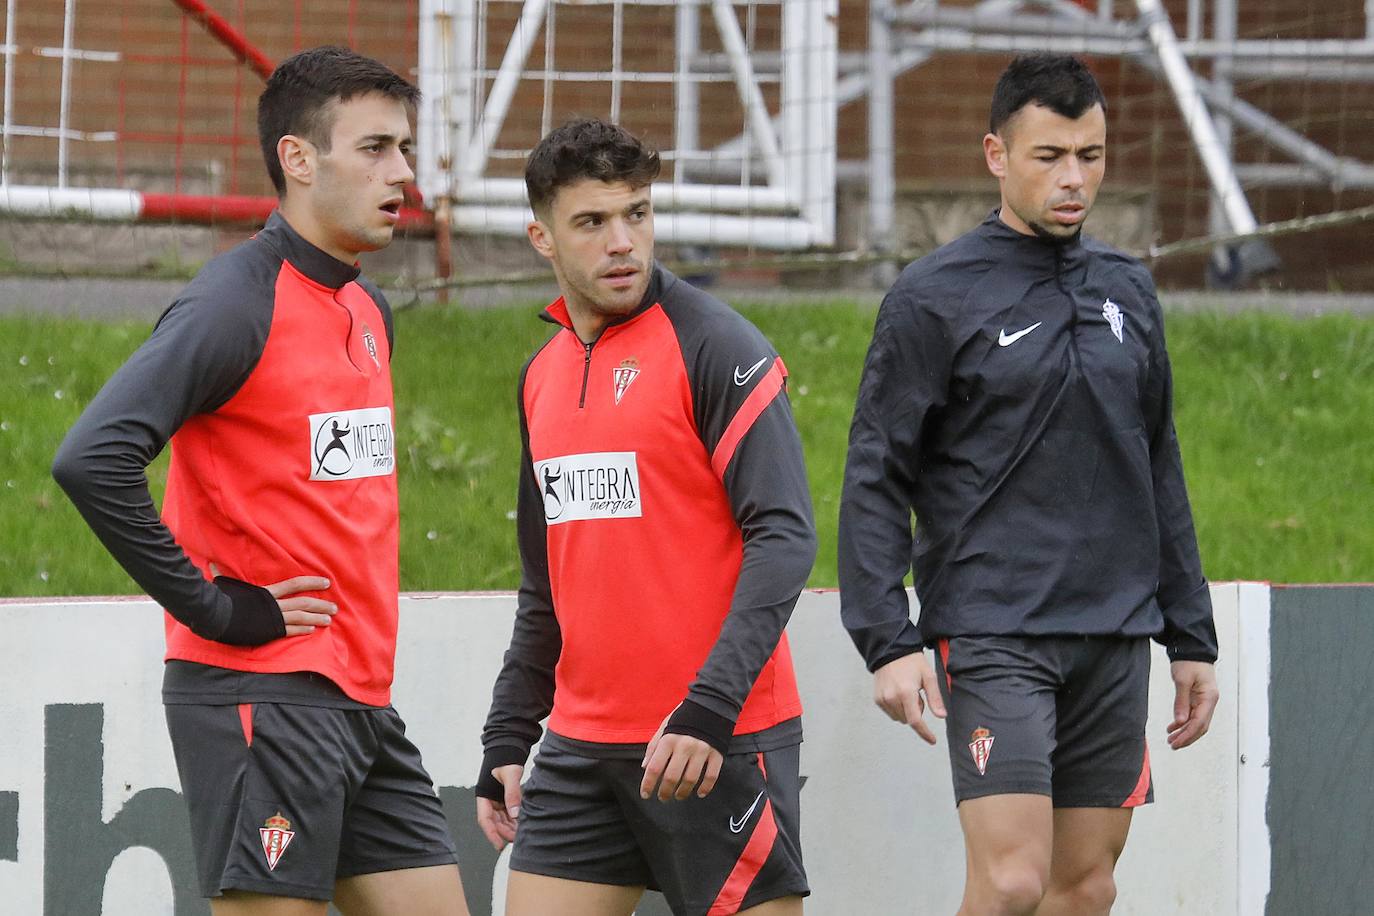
(498, 821)
(676, 764)
(903, 687)
(1195, 699)
(301, 613)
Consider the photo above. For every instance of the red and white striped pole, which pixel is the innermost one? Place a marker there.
(120, 205)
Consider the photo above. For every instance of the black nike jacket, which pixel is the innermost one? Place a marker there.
(1017, 397)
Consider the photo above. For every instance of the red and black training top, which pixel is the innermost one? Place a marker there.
(665, 530)
(271, 377)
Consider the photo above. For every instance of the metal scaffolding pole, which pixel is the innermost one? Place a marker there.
(686, 136)
(881, 134)
(1235, 264)
(1224, 18)
(9, 94)
(1195, 116)
(1274, 131)
(65, 95)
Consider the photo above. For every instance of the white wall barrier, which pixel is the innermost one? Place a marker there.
(87, 780)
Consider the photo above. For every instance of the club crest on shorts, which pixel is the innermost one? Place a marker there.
(623, 376)
(980, 746)
(370, 342)
(1112, 312)
(276, 835)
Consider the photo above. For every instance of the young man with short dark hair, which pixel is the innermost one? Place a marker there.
(665, 531)
(276, 553)
(1017, 396)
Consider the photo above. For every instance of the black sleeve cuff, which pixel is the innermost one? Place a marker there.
(696, 721)
(1196, 643)
(488, 786)
(256, 617)
(889, 657)
(1192, 655)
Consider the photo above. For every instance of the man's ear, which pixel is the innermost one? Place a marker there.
(297, 158)
(540, 238)
(995, 155)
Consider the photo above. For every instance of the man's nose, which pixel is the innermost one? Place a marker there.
(618, 239)
(400, 171)
(1071, 176)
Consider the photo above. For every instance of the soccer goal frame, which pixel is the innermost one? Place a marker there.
(784, 202)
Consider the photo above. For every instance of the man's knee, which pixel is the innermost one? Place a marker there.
(1012, 887)
(1093, 891)
(1019, 887)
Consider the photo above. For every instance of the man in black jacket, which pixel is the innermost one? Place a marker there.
(1017, 396)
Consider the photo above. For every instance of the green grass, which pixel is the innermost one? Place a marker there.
(1274, 415)
(49, 369)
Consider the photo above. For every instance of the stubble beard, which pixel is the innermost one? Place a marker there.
(1044, 233)
(1061, 235)
(341, 208)
(616, 306)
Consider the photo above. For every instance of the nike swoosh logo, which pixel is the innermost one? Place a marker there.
(742, 380)
(1006, 340)
(737, 826)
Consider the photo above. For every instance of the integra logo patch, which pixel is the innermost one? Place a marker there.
(350, 444)
(593, 485)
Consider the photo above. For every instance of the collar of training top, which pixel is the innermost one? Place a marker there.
(660, 279)
(317, 264)
(1032, 250)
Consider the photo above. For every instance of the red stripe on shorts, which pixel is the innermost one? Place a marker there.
(750, 862)
(1142, 786)
(246, 719)
(944, 660)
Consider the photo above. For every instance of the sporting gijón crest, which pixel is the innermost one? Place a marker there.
(370, 344)
(980, 746)
(276, 835)
(623, 376)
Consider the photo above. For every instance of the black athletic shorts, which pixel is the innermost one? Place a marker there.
(1056, 716)
(286, 799)
(581, 818)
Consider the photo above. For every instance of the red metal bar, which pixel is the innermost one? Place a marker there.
(228, 208)
(229, 36)
(206, 208)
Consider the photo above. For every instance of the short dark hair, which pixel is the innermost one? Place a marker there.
(587, 148)
(1059, 82)
(303, 88)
